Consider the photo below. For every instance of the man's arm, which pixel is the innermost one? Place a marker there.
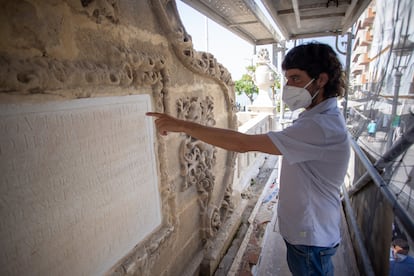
(223, 138)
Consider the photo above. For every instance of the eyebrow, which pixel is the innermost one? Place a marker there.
(292, 76)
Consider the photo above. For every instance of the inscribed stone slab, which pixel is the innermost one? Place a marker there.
(79, 185)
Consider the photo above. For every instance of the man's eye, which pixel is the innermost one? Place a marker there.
(292, 79)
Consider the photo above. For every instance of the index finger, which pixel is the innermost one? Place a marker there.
(154, 114)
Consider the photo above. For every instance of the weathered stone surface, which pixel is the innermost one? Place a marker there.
(59, 51)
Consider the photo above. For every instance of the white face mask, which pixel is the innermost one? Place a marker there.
(297, 97)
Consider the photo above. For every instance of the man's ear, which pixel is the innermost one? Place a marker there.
(322, 80)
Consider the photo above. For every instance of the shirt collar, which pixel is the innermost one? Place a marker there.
(325, 105)
(400, 257)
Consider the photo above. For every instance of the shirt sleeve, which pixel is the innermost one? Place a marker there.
(300, 142)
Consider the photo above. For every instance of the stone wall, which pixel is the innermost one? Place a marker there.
(87, 186)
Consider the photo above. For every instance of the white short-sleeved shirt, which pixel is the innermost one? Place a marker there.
(315, 151)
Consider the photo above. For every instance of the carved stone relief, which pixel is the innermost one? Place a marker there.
(197, 158)
(102, 9)
(263, 56)
(46, 75)
(197, 161)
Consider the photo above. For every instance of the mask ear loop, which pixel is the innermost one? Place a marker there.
(308, 83)
(316, 93)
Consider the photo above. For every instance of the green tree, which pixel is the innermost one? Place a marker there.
(276, 84)
(246, 84)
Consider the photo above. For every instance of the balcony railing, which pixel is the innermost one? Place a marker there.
(375, 200)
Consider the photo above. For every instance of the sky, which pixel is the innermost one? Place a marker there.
(231, 51)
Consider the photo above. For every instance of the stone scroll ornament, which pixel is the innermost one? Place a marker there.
(197, 158)
(197, 161)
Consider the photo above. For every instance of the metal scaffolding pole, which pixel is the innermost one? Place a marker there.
(347, 71)
(397, 83)
(402, 145)
(399, 211)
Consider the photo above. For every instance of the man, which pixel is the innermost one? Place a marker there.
(401, 264)
(315, 149)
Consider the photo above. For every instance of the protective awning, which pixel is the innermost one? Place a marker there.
(314, 18)
(294, 18)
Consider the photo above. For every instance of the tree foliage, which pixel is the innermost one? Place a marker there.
(246, 84)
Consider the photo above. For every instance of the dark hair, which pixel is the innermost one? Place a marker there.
(401, 243)
(316, 58)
